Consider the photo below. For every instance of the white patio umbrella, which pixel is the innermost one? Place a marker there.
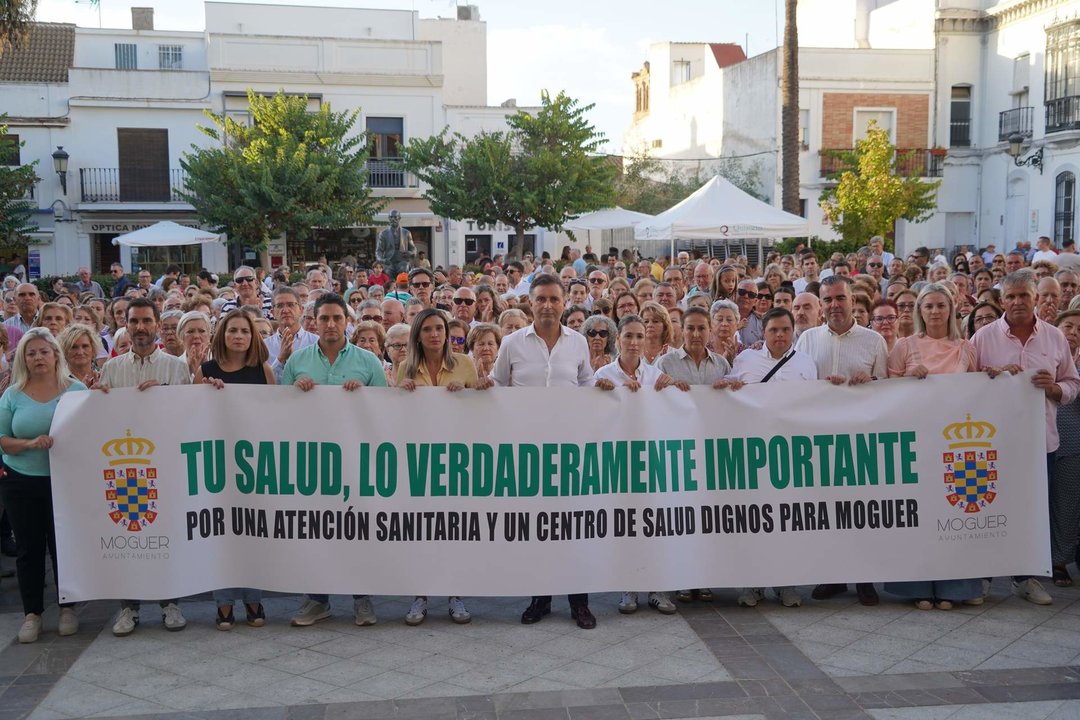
(166, 234)
(607, 219)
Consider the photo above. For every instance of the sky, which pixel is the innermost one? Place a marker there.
(588, 48)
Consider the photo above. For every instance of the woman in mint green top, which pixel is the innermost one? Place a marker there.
(39, 377)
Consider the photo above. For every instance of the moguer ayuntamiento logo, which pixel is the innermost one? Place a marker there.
(971, 477)
(131, 492)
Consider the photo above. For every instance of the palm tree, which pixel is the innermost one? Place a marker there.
(789, 114)
(16, 16)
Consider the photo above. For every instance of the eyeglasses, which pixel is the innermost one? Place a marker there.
(397, 346)
(883, 319)
(748, 294)
(875, 265)
(620, 267)
(597, 333)
(371, 318)
(245, 279)
(457, 340)
(464, 301)
(905, 306)
(420, 284)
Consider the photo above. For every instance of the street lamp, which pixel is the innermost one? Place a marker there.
(1016, 142)
(60, 164)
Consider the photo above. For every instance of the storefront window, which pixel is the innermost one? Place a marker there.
(189, 257)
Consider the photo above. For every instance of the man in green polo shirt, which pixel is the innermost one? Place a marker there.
(332, 361)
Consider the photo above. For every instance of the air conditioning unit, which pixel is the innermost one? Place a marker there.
(468, 12)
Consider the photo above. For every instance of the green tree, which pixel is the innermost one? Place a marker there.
(650, 185)
(289, 172)
(872, 193)
(16, 19)
(543, 171)
(16, 182)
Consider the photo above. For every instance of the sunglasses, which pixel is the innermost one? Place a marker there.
(371, 318)
(597, 333)
(747, 294)
(874, 265)
(420, 284)
(620, 267)
(457, 340)
(596, 281)
(247, 279)
(464, 301)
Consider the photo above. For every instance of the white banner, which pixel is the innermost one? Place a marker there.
(180, 490)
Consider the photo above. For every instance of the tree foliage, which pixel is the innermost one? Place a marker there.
(651, 185)
(872, 194)
(542, 171)
(16, 182)
(16, 19)
(289, 172)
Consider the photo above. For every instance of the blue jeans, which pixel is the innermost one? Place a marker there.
(225, 596)
(326, 598)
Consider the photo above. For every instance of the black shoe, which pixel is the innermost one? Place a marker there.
(583, 616)
(225, 622)
(257, 618)
(828, 590)
(536, 611)
(867, 594)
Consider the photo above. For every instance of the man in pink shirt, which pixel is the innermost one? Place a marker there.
(1020, 341)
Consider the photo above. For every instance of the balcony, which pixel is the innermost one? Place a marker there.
(1063, 114)
(390, 173)
(1017, 120)
(920, 162)
(110, 185)
(960, 133)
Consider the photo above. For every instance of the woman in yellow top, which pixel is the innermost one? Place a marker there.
(430, 362)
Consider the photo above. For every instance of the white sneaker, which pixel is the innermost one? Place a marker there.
(789, 596)
(660, 602)
(30, 629)
(458, 612)
(126, 622)
(364, 611)
(628, 603)
(173, 618)
(985, 588)
(1032, 591)
(417, 611)
(310, 613)
(69, 622)
(750, 597)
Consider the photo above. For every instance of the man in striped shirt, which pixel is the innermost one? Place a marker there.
(249, 294)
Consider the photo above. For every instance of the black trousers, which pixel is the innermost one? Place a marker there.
(575, 599)
(28, 499)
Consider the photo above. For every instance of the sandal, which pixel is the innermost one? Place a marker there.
(256, 618)
(224, 622)
(923, 604)
(1061, 576)
(943, 604)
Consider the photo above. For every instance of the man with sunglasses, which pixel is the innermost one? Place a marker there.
(515, 274)
(598, 282)
(422, 285)
(464, 305)
(249, 293)
(746, 297)
(122, 283)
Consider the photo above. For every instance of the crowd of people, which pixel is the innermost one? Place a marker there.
(582, 320)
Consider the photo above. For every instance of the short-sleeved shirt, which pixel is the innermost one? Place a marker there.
(351, 363)
(464, 372)
(25, 418)
(646, 374)
(681, 367)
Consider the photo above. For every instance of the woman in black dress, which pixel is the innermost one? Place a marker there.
(238, 355)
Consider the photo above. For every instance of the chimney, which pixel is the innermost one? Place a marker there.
(142, 18)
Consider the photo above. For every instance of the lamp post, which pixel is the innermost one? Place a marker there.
(60, 164)
(1016, 143)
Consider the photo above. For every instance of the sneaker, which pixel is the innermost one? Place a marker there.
(923, 604)
(173, 618)
(417, 611)
(660, 602)
(750, 597)
(256, 618)
(69, 622)
(704, 595)
(310, 613)
(363, 611)
(685, 596)
(458, 612)
(225, 622)
(30, 629)
(126, 622)
(789, 596)
(628, 603)
(985, 588)
(975, 601)
(1032, 591)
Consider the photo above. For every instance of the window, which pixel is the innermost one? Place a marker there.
(960, 116)
(680, 72)
(804, 129)
(125, 56)
(883, 118)
(385, 137)
(1064, 207)
(657, 144)
(1021, 74)
(170, 57)
(9, 151)
(143, 155)
(1062, 61)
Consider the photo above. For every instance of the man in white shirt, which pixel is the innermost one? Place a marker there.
(515, 274)
(546, 354)
(809, 266)
(1068, 259)
(807, 312)
(464, 305)
(752, 365)
(843, 352)
(877, 247)
(1044, 251)
(290, 335)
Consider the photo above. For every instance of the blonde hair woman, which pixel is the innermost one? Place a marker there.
(81, 346)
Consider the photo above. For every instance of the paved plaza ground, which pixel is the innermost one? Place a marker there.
(831, 660)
